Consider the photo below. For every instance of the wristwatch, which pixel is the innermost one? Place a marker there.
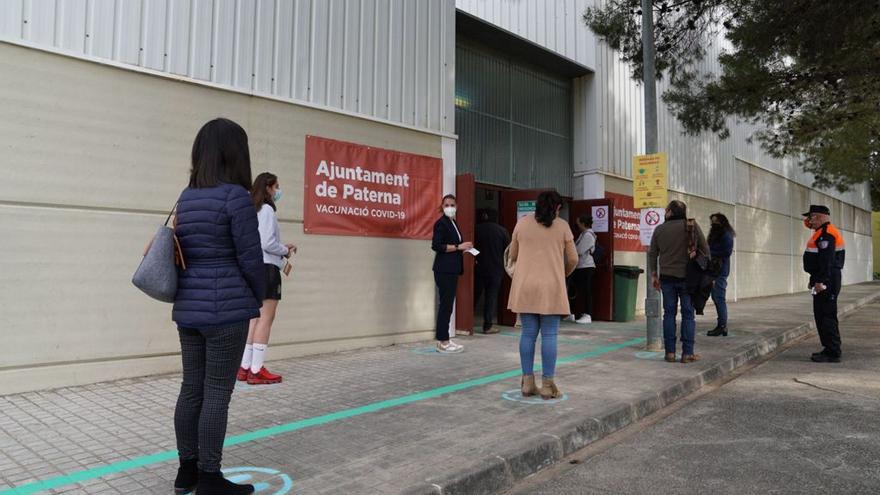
(456, 247)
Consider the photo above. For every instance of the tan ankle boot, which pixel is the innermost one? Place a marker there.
(528, 386)
(690, 358)
(549, 389)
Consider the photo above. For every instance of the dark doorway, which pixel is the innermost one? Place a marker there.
(487, 201)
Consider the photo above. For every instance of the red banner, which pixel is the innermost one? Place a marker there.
(626, 223)
(353, 189)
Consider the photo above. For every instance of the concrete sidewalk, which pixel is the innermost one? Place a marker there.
(399, 419)
(785, 427)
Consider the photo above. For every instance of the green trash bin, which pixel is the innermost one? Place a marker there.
(626, 286)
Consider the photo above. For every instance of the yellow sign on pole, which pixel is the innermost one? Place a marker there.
(649, 181)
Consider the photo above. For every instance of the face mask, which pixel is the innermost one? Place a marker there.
(807, 223)
(277, 196)
(449, 211)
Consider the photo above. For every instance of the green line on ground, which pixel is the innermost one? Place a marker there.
(138, 462)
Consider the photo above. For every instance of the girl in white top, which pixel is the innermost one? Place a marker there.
(266, 192)
(586, 242)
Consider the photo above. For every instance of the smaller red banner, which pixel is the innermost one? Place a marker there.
(626, 223)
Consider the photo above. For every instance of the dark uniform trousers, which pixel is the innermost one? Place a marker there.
(825, 313)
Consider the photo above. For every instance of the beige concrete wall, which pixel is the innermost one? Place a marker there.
(770, 233)
(875, 223)
(763, 252)
(92, 158)
(772, 236)
(859, 258)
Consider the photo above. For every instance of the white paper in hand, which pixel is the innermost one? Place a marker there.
(472, 251)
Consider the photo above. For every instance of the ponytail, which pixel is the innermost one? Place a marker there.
(546, 207)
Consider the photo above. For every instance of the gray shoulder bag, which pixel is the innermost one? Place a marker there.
(157, 274)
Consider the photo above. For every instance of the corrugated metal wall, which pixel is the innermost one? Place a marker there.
(514, 121)
(554, 24)
(789, 167)
(389, 59)
(702, 165)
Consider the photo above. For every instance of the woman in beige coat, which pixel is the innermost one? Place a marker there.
(543, 248)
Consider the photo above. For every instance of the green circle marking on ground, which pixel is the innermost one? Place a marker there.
(266, 481)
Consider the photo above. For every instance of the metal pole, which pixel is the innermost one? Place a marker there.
(652, 300)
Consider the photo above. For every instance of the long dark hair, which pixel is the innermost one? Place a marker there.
(220, 154)
(546, 206)
(678, 209)
(260, 193)
(723, 226)
(586, 219)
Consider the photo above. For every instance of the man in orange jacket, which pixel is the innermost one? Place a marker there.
(823, 260)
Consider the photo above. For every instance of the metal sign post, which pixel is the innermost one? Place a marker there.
(652, 300)
(650, 195)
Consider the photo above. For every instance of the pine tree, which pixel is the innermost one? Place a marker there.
(807, 71)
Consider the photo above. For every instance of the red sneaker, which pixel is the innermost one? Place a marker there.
(242, 374)
(263, 377)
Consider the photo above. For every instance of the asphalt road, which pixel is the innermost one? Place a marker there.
(788, 426)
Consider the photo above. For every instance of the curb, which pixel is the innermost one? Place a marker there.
(538, 452)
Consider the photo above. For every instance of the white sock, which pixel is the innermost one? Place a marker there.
(259, 357)
(247, 356)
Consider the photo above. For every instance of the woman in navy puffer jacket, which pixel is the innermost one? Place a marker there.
(218, 293)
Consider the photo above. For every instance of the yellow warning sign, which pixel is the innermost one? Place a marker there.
(649, 181)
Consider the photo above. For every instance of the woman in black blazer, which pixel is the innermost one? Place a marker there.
(448, 266)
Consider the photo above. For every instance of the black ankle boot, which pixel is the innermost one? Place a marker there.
(216, 484)
(187, 477)
(718, 331)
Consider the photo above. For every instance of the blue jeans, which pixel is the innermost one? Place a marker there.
(548, 325)
(673, 292)
(719, 297)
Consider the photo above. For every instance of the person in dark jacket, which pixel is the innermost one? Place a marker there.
(700, 275)
(448, 266)
(218, 293)
(720, 241)
(490, 239)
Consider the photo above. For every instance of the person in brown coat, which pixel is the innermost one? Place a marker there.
(543, 249)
